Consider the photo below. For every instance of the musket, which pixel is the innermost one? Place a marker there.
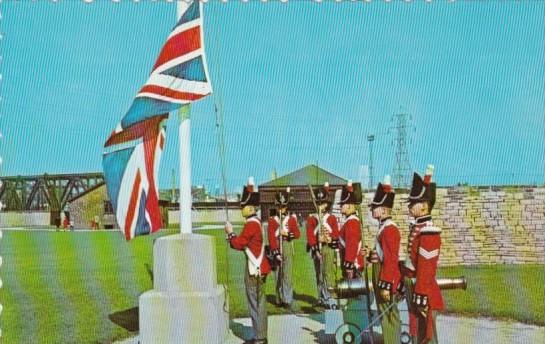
(351, 288)
(336, 199)
(280, 239)
(313, 197)
(366, 274)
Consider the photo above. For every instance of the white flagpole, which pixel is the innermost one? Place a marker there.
(184, 136)
(185, 294)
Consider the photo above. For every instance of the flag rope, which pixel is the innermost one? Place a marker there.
(218, 109)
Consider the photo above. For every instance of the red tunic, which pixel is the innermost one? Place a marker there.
(350, 239)
(423, 249)
(289, 223)
(251, 237)
(330, 224)
(387, 246)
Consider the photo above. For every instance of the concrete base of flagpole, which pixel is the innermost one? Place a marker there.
(186, 304)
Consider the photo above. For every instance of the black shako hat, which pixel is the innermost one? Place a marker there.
(322, 194)
(384, 194)
(351, 193)
(249, 196)
(282, 198)
(423, 190)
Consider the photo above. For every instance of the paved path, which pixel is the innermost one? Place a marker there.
(76, 230)
(60, 230)
(452, 330)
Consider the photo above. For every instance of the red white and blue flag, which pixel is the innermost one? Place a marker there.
(133, 151)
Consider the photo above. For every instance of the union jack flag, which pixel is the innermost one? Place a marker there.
(132, 153)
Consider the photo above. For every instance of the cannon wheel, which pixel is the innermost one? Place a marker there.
(405, 336)
(347, 333)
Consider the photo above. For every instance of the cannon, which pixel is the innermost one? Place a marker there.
(350, 332)
(350, 288)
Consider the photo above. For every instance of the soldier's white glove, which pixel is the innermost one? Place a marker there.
(350, 270)
(350, 274)
(228, 227)
(421, 303)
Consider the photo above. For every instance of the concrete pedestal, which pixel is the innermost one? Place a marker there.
(186, 304)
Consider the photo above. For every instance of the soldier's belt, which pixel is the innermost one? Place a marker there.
(350, 288)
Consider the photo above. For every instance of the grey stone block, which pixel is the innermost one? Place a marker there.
(185, 263)
(183, 317)
(187, 305)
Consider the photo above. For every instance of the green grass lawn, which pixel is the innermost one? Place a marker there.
(83, 287)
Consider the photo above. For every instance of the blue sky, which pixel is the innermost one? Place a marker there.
(300, 83)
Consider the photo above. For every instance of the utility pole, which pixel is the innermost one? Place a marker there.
(371, 139)
(402, 168)
(364, 177)
(1, 114)
(173, 187)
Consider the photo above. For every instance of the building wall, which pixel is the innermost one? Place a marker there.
(301, 203)
(206, 215)
(84, 209)
(24, 219)
(483, 225)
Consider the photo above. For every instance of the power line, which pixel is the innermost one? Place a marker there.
(402, 168)
(370, 139)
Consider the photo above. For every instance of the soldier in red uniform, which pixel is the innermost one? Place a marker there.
(350, 236)
(423, 297)
(385, 259)
(323, 243)
(252, 241)
(283, 229)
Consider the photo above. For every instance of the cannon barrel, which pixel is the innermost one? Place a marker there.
(452, 283)
(349, 288)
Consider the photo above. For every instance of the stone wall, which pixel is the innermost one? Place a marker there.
(492, 225)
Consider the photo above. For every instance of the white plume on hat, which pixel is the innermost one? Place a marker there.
(429, 173)
(387, 180)
(429, 170)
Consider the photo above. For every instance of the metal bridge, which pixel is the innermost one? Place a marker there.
(47, 192)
